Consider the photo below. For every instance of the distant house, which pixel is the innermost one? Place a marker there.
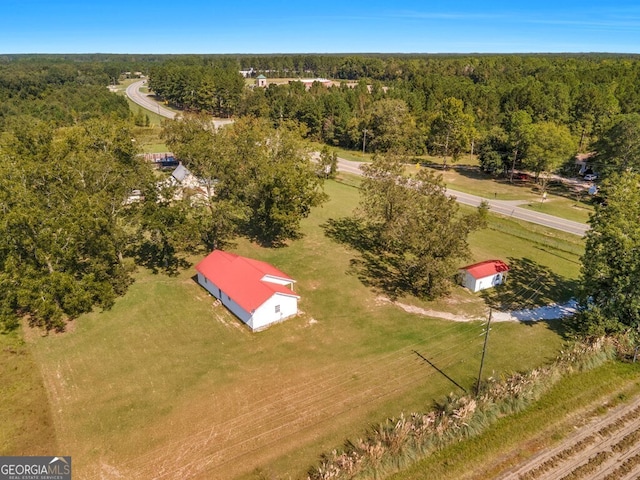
(308, 82)
(199, 190)
(184, 177)
(254, 291)
(261, 81)
(480, 276)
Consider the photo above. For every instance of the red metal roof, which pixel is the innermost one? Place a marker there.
(486, 268)
(242, 278)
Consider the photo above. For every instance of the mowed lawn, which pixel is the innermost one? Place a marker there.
(168, 385)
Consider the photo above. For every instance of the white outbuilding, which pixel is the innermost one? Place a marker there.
(256, 292)
(480, 276)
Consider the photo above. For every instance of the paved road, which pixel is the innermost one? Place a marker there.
(503, 207)
(508, 208)
(143, 99)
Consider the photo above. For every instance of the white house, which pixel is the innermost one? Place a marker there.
(261, 81)
(254, 291)
(483, 275)
(199, 190)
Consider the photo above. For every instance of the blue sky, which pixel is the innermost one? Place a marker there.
(329, 26)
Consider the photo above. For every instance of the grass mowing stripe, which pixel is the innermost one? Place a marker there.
(361, 397)
(380, 380)
(344, 378)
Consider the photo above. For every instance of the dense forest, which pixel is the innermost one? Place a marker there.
(530, 111)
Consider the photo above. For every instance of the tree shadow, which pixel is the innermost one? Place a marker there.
(375, 267)
(350, 231)
(562, 328)
(475, 173)
(160, 258)
(529, 285)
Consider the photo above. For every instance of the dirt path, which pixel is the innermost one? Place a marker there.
(547, 312)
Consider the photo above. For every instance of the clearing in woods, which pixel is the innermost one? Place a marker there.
(168, 385)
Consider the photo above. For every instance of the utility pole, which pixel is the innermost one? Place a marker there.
(484, 350)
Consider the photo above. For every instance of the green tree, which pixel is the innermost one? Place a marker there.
(390, 126)
(593, 107)
(550, 146)
(139, 118)
(618, 149)
(451, 130)
(610, 293)
(327, 163)
(209, 156)
(66, 221)
(494, 152)
(275, 180)
(260, 180)
(416, 235)
(519, 132)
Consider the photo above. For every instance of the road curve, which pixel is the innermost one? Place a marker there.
(143, 99)
(507, 208)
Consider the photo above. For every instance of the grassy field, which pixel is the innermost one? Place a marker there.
(560, 206)
(25, 417)
(168, 384)
(149, 140)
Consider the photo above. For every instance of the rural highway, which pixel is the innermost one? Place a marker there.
(508, 208)
(511, 209)
(143, 99)
(502, 207)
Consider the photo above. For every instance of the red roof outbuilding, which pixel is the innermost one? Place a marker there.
(248, 282)
(486, 268)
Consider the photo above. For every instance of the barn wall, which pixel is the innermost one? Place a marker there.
(477, 284)
(236, 309)
(469, 282)
(266, 313)
(489, 282)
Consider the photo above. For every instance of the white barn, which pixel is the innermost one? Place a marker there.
(254, 291)
(487, 274)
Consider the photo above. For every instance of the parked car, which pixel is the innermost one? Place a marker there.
(590, 177)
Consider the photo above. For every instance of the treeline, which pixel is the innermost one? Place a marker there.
(442, 105)
(215, 89)
(58, 91)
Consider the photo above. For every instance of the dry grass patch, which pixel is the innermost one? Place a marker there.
(25, 416)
